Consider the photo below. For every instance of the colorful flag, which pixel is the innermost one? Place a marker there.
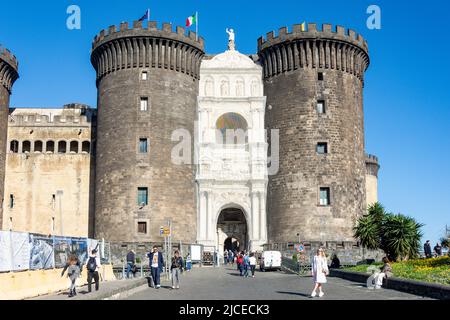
(303, 26)
(146, 16)
(191, 20)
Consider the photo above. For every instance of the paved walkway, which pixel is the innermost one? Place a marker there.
(224, 283)
(106, 290)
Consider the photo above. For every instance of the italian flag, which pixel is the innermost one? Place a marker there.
(191, 20)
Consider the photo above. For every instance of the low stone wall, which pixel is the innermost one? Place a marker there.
(33, 283)
(432, 290)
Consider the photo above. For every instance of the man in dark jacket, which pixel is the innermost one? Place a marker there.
(427, 249)
(438, 249)
(156, 266)
(131, 260)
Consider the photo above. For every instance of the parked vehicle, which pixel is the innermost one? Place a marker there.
(270, 260)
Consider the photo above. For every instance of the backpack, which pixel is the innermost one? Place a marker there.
(92, 264)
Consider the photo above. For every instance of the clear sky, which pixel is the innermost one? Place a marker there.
(407, 96)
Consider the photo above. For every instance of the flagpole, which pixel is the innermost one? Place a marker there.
(196, 26)
(148, 15)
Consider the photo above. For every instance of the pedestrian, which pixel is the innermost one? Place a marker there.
(176, 268)
(335, 263)
(131, 261)
(156, 266)
(74, 268)
(252, 261)
(92, 265)
(246, 264)
(239, 262)
(231, 257)
(319, 271)
(427, 249)
(188, 262)
(438, 249)
(225, 257)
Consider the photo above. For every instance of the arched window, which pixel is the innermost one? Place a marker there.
(86, 147)
(74, 147)
(26, 146)
(14, 146)
(62, 146)
(231, 128)
(50, 146)
(38, 146)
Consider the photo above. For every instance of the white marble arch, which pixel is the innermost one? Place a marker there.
(221, 235)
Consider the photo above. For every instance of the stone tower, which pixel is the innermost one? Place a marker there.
(8, 75)
(147, 81)
(314, 80)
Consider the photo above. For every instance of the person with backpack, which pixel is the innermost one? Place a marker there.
(92, 265)
(176, 268)
(74, 268)
(156, 266)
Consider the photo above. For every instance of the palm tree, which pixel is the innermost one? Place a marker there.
(367, 230)
(400, 236)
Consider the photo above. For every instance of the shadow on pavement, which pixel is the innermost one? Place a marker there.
(295, 293)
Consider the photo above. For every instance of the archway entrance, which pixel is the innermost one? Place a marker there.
(232, 230)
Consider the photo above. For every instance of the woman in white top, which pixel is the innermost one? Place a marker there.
(319, 271)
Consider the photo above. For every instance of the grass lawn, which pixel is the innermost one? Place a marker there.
(436, 270)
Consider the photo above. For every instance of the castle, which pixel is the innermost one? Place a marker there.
(162, 144)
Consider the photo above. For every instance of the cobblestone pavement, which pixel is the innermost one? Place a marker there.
(209, 283)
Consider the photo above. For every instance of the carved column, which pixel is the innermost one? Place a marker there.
(203, 215)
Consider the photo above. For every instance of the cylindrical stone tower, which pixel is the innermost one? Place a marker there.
(8, 75)
(147, 81)
(313, 80)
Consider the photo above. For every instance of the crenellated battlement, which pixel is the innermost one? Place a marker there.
(121, 47)
(372, 165)
(9, 67)
(312, 32)
(71, 115)
(7, 56)
(338, 49)
(138, 30)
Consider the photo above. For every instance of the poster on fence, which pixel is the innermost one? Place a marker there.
(5, 251)
(62, 247)
(20, 246)
(79, 247)
(41, 252)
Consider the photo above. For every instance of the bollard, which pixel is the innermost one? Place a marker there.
(142, 275)
(123, 271)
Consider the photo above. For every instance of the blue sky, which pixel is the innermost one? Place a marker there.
(407, 98)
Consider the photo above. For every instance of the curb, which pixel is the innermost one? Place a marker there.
(110, 294)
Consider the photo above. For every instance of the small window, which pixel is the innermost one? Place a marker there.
(53, 201)
(322, 148)
(86, 147)
(38, 146)
(62, 145)
(50, 146)
(26, 147)
(320, 76)
(144, 104)
(143, 145)
(324, 196)
(144, 75)
(142, 196)
(321, 106)
(142, 227)
(11, 201)
(14, 146)
(74, 146)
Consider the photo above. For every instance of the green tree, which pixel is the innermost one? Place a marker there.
(444, 242)
(368, 228)
(397, 235)
(400, 236)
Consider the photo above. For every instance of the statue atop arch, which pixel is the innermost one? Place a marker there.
(231, 38)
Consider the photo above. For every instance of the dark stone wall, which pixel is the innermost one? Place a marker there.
(292, 88)
(171, 88)
(8, 75)
(121, 169)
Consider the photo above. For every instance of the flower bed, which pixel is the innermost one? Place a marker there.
(434, 270)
